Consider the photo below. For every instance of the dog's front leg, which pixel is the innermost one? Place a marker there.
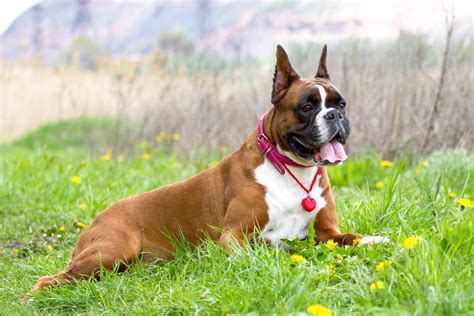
(326, 225)
(242, 218)
(231, 238)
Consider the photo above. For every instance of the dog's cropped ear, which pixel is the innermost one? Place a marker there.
(322, 68)
(284, 75)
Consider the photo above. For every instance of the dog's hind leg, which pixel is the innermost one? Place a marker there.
(93, 251)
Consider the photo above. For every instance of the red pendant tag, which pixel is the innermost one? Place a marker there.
(308, 203)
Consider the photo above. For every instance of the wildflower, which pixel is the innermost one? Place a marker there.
(418, 171)
(451, 195)
(331, 244)
(382, 265)
(146, 156)
(465, 203)
(176, 137)
(297, 259)
(319, 310)
(377, 285)
(386, 164)
(424, 164)
(356, 241)
(50, 248)
(62, 228)
(82, 225)
(82, 206)
(160, 137)
(76, 180)
(411, 242)
(379, 185)
(106, 157)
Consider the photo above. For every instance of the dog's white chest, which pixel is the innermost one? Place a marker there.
(287, 218)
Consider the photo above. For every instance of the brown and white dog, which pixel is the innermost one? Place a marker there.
(241, 195)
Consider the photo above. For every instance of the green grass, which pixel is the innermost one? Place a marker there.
(82, 132)
(39, 207)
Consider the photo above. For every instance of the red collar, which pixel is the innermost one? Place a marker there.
(271, 152)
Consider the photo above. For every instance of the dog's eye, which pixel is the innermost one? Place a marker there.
(306, 107)
(342, 104)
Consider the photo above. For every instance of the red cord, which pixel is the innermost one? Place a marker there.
(299, 182)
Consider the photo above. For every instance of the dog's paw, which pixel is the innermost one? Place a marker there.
(43, 282)
(371, 240)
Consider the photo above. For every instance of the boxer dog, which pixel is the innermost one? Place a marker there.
(276, 184)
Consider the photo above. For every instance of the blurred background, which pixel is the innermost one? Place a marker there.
(196, 75)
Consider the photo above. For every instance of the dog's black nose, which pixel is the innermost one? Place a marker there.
(331, 115)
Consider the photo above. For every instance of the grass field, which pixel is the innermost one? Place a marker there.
(43, 211)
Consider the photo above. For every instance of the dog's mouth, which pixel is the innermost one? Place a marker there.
(329, 153)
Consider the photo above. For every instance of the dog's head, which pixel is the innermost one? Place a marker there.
(309, 120)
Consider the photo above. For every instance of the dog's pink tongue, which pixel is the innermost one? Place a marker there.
(333, 152)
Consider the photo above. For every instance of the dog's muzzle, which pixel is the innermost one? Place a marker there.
(330, 125)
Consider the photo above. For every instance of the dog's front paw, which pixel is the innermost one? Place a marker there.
(371, 240)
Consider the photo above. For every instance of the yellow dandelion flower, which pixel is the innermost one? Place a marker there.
(356, 241)
(50, 248)
(386, 164)
(106, 157)
(161, 137)
(120, 158)
(331, 244)
(382, 265)
(82, 206)
(297, 259)
(451, 195)
(418, 170)
(379, 185)
(377, 285)
(319, 310)
(411, 242)
(465, 203)
(82, 225)
(62, 228)
(176, 137)
(146, 156)
(424, 164)
(76, 180)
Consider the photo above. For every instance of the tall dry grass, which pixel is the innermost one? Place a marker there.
(391, 89)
